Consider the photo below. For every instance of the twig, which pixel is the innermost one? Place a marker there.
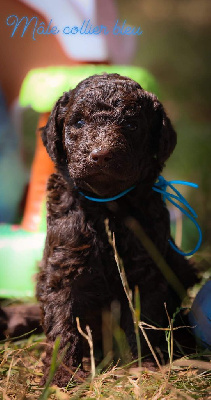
(170, 334)
(160, 391)
(127, 289)
(88, 337)
(9, 372)
(182, 362)
(151, 349)
(148, 326)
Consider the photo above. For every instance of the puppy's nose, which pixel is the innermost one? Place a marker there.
(101, 156)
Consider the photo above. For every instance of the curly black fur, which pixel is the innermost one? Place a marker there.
(105, 136)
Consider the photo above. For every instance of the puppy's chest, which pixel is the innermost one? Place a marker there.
(129, 246)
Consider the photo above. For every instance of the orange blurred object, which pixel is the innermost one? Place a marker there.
(42, 167)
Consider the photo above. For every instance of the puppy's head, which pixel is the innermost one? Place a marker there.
(109, 134)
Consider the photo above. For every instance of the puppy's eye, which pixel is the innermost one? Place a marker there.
(78, 124)
(130, 126)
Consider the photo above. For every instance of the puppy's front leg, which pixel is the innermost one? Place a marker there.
(60, 306)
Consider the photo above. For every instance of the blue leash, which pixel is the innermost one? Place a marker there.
(161, 187)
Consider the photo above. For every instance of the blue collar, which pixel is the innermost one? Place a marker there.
(105, 200)
(161, 187)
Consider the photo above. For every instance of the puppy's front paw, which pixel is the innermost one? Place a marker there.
(64, 376)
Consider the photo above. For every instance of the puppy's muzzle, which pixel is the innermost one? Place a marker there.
(101, 157)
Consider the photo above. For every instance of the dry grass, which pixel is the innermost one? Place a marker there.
(20, 372)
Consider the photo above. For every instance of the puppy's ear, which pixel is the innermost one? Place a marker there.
(52, 132)
(164, 138)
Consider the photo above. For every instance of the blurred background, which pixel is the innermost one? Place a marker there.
(174, 48)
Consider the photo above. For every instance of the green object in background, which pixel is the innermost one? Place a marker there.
(42, 87)
(20, 255)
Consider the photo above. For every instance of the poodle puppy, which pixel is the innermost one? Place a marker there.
(105, 136)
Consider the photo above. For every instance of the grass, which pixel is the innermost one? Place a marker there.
(20, 372)
(185, 378)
